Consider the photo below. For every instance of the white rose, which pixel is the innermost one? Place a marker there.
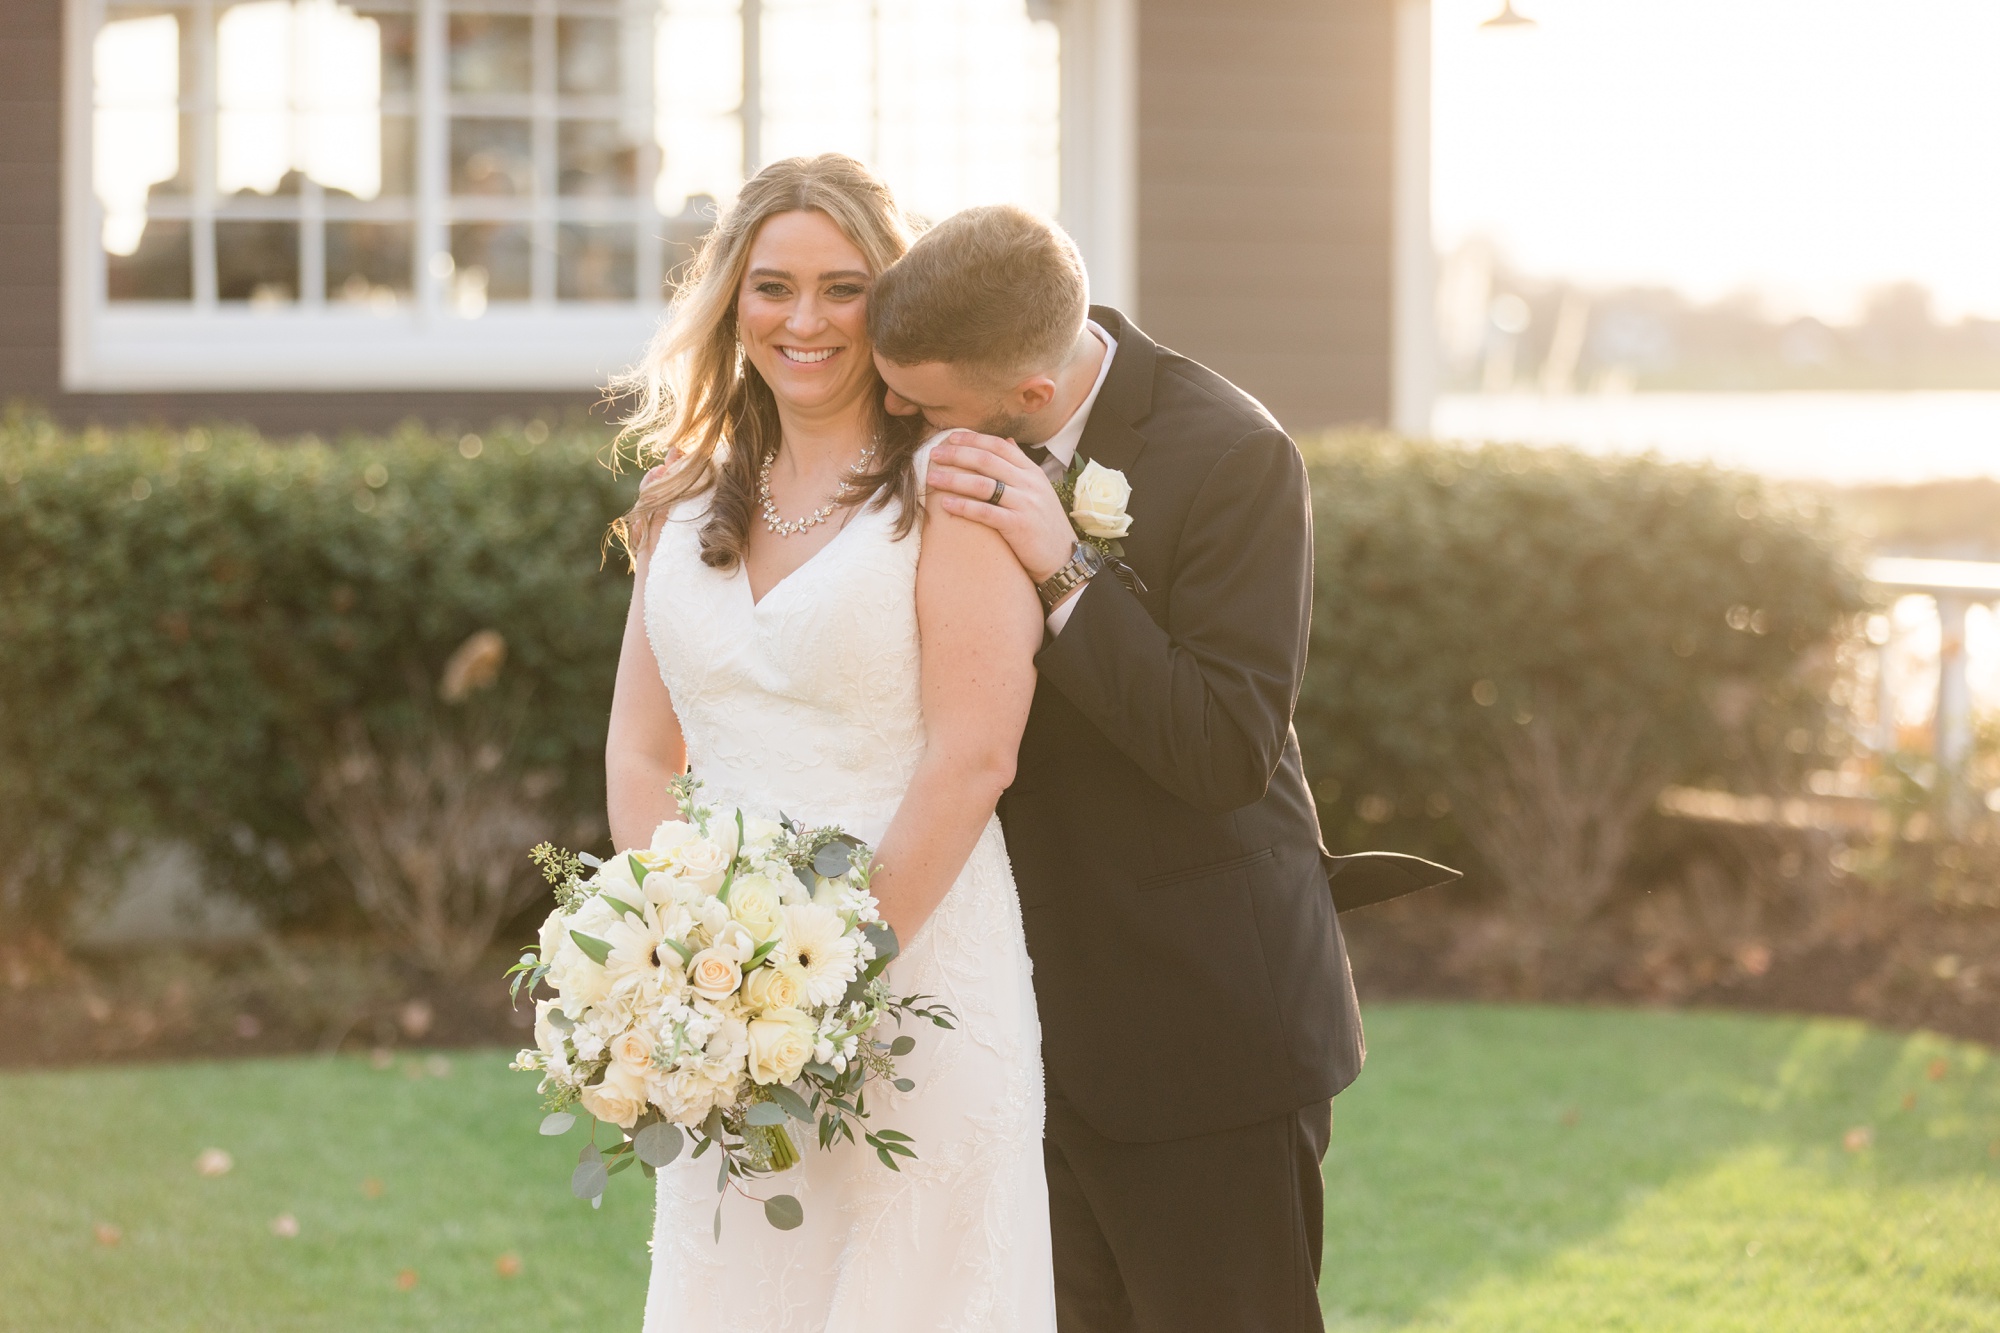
(714, 974)
(755, 903)
(615, 877)
(702, 863)
(671, 834)
(619, 1098)
(780, 1044)
(555, 930)
(1099, 504)
(760, 834)
(780, 986)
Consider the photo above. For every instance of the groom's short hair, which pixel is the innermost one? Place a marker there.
(995, 289)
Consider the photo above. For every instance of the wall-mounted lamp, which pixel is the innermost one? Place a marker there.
(1507, 18)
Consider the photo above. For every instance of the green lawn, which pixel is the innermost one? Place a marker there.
(1496, 1168)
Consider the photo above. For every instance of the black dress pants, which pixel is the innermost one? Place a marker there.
(1214, 1234)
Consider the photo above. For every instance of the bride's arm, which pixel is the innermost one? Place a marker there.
(643, 750)
(980, 624)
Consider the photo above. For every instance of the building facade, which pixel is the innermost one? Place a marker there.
(328, 214)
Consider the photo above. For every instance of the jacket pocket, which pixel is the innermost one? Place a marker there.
(1203, 872)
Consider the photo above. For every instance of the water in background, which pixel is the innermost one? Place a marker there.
(1836, 437)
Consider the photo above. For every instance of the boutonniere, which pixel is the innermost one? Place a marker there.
(1095, 497)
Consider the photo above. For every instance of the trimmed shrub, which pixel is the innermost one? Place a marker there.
(194, 625)
(1513, 649)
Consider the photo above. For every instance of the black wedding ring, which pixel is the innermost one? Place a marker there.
(999, 489)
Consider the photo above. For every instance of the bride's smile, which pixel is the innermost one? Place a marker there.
(801, 312)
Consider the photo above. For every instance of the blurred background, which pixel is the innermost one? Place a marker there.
(1645, 355)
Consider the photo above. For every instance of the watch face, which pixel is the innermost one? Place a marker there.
(1092, 559)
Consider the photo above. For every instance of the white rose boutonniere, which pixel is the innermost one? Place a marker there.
(1097, 500)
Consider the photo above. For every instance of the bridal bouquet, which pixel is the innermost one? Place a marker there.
(719, 985)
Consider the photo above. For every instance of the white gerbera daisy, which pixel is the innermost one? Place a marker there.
(817, 943)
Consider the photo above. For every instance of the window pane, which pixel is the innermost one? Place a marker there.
(298, 89)
(491, 157)
(399, 156)
(593, 157)
(490, 54)
(257, 262)
(594, 263)
(587, 56)
(368, 262)
(682, 237)
(159, 267)
(399, 53)
(140, 143)
(490, 264)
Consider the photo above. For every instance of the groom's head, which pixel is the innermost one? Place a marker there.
(974, 326)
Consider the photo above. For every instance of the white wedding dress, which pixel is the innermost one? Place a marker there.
(807, 703)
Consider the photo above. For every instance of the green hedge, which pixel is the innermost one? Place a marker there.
(187, 617)
(1460, 590)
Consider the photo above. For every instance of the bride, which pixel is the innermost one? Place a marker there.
(808, 634)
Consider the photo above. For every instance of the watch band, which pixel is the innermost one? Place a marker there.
(1085, 563)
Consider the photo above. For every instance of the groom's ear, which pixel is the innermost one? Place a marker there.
(1033, 394)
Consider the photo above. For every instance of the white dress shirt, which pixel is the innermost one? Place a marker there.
(1062, 448)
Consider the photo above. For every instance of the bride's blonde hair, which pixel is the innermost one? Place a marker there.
(702, 408)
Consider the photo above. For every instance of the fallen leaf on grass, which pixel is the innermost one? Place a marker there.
(214, 1162)
(1938, 1069)
(1909, 1101)
(372, 1188)
(1571, 1117)
(406, 1280)
(1861, 1136)
(285, 1226)
(508, 1265)
(107, 1234)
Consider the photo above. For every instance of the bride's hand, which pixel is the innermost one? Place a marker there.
(1030, 514)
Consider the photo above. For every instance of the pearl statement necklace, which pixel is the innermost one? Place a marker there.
(784, 527)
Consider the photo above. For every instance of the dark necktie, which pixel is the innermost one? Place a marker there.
(1039, 453)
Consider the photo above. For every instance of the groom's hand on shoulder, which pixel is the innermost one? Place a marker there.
(1030, 515)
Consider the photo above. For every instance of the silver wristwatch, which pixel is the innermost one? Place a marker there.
(1084, 565)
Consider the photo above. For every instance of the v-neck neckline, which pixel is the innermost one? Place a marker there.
(756, 601)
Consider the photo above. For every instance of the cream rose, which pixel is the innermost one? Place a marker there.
(755, 903)
(778, 986)
(714, 974)
(1099, 503)
(619, 1099)
(780, 1044)
(633, 1049)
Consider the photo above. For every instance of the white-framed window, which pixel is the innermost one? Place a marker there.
(379, 194)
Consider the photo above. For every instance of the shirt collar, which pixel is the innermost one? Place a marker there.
(1063, 444)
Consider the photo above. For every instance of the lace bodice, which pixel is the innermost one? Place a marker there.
(808, 699)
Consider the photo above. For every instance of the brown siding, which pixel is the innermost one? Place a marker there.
(1265, 148)
(31, 257)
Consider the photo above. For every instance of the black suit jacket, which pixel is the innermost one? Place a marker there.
(1189, 966)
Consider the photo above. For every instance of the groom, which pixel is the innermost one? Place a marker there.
(1197, 1010)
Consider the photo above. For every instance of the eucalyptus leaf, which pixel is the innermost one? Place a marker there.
(765, 1113)
(597, 1199)
(904, 1084)
(783, 1212)
(589, 1178)
(595, 949)
(639, 871)
(722, 1173)
(589, 860)
(820, 1071)
(832, 860)
(794, 1105)
(619, 1165)
(884, 939)
(806, 878)
(658, 1143)
(718, 1220)
(557, 1122)
(902, 1045)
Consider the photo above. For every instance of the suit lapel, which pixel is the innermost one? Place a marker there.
(1126, 398)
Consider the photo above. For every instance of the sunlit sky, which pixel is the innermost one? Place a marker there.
(1806, 149)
